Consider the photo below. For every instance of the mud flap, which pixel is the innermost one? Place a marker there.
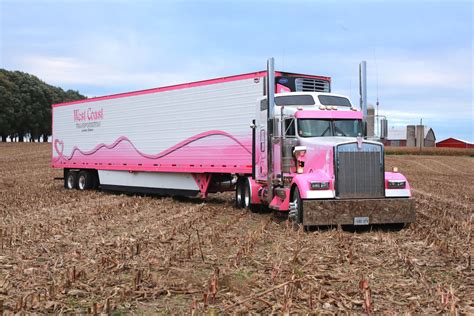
(349, 212)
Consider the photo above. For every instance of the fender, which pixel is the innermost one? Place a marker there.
(254, 188)
(303, 182)
(405, 192)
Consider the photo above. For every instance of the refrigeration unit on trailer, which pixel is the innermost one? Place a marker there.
(280, 140)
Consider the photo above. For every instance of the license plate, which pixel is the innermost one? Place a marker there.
(361, 221)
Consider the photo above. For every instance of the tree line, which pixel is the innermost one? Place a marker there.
(25, 106)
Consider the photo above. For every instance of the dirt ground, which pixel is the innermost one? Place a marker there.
(93, 252)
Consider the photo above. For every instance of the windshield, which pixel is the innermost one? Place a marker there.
(334, 100)
(321, 128)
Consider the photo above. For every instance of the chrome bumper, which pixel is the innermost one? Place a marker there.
(343, 212)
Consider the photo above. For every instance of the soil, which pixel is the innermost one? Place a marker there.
(67, 251)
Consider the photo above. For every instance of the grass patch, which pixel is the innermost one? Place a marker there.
(430, 151)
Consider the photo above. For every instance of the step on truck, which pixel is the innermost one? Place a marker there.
(279, 140)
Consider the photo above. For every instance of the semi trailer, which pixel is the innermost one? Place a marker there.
(277, 139)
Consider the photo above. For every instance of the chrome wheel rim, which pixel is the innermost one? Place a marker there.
(82, 182)
(293, 210)
(70, 182)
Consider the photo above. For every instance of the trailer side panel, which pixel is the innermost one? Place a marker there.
(198, 129)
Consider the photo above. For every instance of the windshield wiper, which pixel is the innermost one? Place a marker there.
(340, 131)
(325, 131)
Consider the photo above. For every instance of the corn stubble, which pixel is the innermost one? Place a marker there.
(94, 252)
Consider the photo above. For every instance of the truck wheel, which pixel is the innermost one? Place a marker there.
(248, 198)
(239, 194)
(70, 181)
(296, 208)
(85, 180)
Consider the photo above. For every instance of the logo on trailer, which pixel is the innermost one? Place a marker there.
(87, 120)
(283, 80)
(59, 147)
(88, 115)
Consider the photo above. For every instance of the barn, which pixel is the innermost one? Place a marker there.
(396, 137)
(454, 143)
(410, 136)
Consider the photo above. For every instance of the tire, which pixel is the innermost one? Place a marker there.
(248, 197)
(85, 180)
(239, 194)
(296, 214)
(70, 180)
(95, 180)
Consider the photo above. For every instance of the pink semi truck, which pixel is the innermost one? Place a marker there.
(279, 140)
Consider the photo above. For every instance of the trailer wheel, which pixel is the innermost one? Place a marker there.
(239, 194)
(296, 207)
(85, 180)
(95, 180)
(70, 181)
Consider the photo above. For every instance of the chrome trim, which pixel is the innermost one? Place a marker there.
(311, 85)
(351, 180)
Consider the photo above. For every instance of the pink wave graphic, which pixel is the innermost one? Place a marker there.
(162, 154)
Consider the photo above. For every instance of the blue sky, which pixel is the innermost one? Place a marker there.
(421, 52)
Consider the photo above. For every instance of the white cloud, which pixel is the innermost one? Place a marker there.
(71, 71)
(428, 72)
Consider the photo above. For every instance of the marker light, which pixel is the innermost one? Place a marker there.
(395, 169)
(322, 107)
(396, 184)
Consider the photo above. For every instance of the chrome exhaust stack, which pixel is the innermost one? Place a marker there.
(363, 88)
(270, 124)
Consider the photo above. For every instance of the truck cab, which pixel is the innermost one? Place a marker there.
(323, 171)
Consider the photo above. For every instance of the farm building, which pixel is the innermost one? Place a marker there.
(454, 143)
(410, 136)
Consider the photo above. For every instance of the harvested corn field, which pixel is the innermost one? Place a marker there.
(94, 252)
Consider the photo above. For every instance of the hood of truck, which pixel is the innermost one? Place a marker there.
(331, 141)
(320, 153)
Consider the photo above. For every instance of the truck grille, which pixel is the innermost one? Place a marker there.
(360, 172)
(311, 85)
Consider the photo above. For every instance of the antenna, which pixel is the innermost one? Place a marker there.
(350, 89)
(377, 103)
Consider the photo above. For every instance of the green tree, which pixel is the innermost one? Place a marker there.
(25, 105)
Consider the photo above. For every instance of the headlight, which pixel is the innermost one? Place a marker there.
(396, 184)
(319, 185)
